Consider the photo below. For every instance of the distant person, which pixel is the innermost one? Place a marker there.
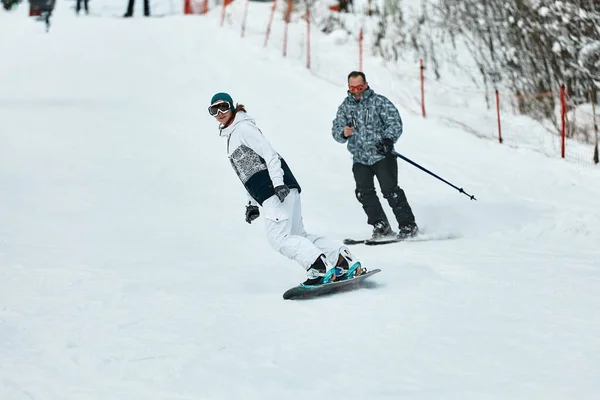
(85, 6)
(370, 125)
(10, 4)
(269, 183)
(131, 4)
(42, 10)
(41, 7)
(345, 5)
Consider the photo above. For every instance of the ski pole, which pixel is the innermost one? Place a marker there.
(432, 174)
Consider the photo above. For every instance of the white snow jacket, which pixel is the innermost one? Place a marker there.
(256, 163)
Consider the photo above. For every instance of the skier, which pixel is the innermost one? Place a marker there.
(130, 6)
(270, 183)
(42, 9)
(85, 6)
(370, 125)
(9, 4)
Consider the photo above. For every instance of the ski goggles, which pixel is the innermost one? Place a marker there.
(356, 88)
(216, 108)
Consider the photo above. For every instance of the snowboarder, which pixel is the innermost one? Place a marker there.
(370, 125)
(270, 183)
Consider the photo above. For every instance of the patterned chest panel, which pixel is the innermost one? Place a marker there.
(369, 129)
(246, 162)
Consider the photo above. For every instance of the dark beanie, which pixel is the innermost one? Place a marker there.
(222, 96)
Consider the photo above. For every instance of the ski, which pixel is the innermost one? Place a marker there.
(350, 242)
(385, 241)
(420, 237)
(371, 242)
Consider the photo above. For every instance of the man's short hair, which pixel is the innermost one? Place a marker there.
(355, 74)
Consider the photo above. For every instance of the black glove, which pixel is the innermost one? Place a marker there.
(251, 213)
(282, 191)
(385, 147)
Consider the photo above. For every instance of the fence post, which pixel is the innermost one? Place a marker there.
(422, 89)
(595, 128)
(498, 115)
(287, 17)
(563, 114)
(225, 4)
(360, 49)
(307, 37)
(187, 7)
(245, 17)
(268, 32)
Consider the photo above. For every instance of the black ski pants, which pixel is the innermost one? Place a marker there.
(85, 6)
(131, 4)
(386, 172)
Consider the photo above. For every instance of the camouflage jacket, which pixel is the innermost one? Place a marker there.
(373, 118)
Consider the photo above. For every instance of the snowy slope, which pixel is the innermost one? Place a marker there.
(127, 270)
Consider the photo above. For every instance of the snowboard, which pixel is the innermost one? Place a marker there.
(304, 292)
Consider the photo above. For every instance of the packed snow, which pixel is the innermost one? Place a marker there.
(127, 270)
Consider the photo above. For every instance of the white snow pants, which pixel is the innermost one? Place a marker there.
(286, 234)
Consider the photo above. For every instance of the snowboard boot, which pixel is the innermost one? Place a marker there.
(408, 230)
(317, 272)
(381, 230)
(347, 266)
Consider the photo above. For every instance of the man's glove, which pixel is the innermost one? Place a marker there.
(282, 191)
(385, 147)
(251, 213)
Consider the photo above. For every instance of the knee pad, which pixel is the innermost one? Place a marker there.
(395, 196)
(360, 194)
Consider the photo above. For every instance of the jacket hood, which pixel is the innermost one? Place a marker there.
(240, 117)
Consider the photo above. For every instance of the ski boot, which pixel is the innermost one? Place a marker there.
(381, 231)
(407, 231)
